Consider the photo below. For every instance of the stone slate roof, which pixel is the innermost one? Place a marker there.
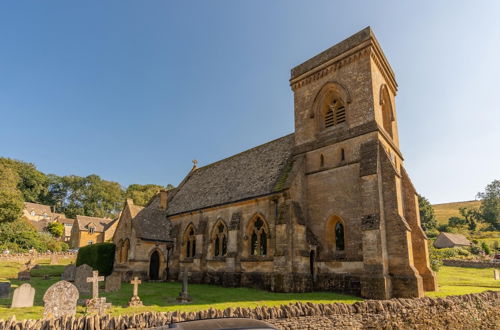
(38, 208)
(151, 222)
(100, 223)
(256, 172)
(449, 240)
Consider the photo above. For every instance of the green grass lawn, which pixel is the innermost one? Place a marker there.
(161, 296)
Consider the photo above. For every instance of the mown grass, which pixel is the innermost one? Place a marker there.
(162, 296)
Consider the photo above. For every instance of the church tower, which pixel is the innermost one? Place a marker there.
(360, 205)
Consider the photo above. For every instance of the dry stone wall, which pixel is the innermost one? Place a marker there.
(25, 257)
(473, 311)
(471, 263)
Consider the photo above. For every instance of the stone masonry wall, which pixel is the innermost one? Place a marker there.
(471, 263)
(25, 257)
(472, 311)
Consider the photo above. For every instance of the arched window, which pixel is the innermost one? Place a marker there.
(339, 237)
(124, 251)
(190, 242)
(219, 239)
(258, 237)
(387, 112)
(335, 234)
(334, 113)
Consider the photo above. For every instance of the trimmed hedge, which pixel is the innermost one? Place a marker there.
(100, 256)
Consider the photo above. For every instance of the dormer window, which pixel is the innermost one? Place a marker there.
(33, 213)
(91, 230)
(334, 113)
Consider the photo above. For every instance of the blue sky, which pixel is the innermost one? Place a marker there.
(134, 90)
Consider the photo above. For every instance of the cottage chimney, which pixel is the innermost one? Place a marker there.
(163, 199)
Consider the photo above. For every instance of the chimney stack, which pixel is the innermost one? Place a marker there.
(163, 199)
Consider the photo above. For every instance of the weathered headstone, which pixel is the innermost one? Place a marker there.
(69, 273)
(81, 274)
(95, 279)
(113, 282)
(23, 296)
(24, 275)
(184, 295)
(496, 274)
(4, 289)
(60, 300)
(135, 300)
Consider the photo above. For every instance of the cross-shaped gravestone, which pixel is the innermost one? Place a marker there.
(136, 283)
(95, 279)
(184, 295)
(135, 300)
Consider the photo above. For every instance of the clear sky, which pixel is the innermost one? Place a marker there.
(134, 90)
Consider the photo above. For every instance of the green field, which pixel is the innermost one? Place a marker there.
(161, 296)
(447, 210)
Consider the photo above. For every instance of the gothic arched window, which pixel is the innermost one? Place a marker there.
(219, 239)
(190, 242)
(258, 237)
(124, 251)
(387, 112)
(339, 237)
(335, 234)
(334, 113)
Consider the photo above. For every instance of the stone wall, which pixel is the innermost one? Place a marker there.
(471, 263)
(25, 257)
(472, 311)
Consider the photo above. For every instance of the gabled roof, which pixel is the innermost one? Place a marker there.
(151, 222)
(456, 239)
(38, 208)
(100, 224)
(252, 173)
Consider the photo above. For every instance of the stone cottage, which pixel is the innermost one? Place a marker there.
(329, 207)
(90, 230)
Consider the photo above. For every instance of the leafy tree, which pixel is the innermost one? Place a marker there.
(142, 194)
(31, 183)
(471, 216)
(20, 236)
(11, 202)
(485, 248)
(456, 222)
(56, 229)
(91, 195)
(427, 217)
(490, 204)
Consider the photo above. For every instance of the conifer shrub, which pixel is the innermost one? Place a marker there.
(100, 256)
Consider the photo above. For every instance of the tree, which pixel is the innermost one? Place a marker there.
(31, 183)
(427, 217)
(490, 204)
(471, 216)
(56, 229)
(142, 194)
(11, 201)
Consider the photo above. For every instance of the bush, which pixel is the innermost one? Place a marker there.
(99, 256)
(486, 248)
(21, 236)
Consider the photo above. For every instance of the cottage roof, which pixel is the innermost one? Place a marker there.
(456, 239)
(255, 172)
(38, 208)
(100, 223)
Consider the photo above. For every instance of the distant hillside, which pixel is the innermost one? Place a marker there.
(446, 210)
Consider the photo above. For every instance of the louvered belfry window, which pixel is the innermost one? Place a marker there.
(335, 114)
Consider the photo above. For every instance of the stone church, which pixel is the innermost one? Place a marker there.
(329, 207)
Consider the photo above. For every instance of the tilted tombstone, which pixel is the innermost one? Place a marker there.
(23, 296)
(60, 300)
(69, 273)
(113, 282)
(4, 289)
(81, 274)
(25, 275)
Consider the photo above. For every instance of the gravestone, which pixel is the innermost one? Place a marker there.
(4, 289)
(24, 275)
(496, 274)
(113, 282)
(135, 300)
(81, 274)
(96, 304)
(60, 300)
(23, 296)
(184, 295)
(69, 273)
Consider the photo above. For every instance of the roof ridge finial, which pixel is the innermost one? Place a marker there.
(195, 164)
